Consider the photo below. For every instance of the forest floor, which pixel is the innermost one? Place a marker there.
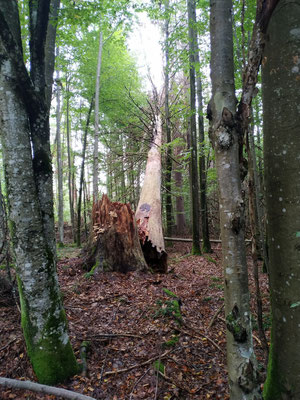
(138, 349)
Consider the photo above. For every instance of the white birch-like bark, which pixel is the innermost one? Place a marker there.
(96, 134)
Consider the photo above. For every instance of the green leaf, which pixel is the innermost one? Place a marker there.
(298, 234)
(159, 366)
(169, 293)
(297, 304)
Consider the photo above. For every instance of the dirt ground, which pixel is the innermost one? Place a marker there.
(132, 323)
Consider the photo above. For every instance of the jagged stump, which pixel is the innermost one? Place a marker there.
(114, 243)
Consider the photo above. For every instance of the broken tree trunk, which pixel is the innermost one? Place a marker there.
(148, 214)
(114, 243)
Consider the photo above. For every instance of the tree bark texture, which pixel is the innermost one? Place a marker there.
(43, 318)
(281, 118)
(148, 214)
(243, 376)
(114, 244)
(194, 183)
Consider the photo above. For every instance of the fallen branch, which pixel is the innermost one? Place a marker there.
(197, 337)
(190, 240)
(119, 371)
(37, 387)
(214, 317)
(111, 335)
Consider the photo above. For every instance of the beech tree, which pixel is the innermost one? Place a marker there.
(281, 98)
(243, 376)
(24, 109)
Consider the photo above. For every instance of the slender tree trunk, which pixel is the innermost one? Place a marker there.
(82, 173)
(168, 175)
(96, 134)
(194, 183)
(70, 162)
(206, 247)
(281, 117)
(243, 376)
(59, 160)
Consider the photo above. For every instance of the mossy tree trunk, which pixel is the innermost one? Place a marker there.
(27, 164)
(281, 118)
(114, 243)
(242, 372)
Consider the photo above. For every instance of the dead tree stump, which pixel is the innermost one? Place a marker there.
(114, 243)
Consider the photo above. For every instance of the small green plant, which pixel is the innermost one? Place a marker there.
(208, 298)
(210, 259)
(159, 366)
(169, 308)
(171, 342)
(216, 279)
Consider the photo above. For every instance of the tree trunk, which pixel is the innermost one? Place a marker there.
(206, 247)
(168, 175)
(281, 118)
(59, 161)
(194, 183)
(96, 134)
(28, 170)
(243, 376)
(71, 166)
(82, 173)
(148, 214)
(114, 244)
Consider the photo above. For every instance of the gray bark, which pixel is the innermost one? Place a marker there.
(43, 319)
(59, 160)
(194, 183)
(281, 98)
(168, 175)
(243, 377)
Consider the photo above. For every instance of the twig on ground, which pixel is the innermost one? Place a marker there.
(36, 387)
(112, 335)
(8, 344)
(197, 337)
(119, 371)
(137, 382)
(214, 317)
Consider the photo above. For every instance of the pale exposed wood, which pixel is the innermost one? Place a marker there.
(148, 214)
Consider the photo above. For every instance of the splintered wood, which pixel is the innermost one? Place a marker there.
(114, 243)
(148, 214)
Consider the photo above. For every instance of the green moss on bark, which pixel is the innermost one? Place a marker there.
(273, 387)
(52, 356)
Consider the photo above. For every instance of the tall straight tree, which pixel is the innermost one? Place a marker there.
(96, 134)
(168, 179)
(281, 99)
(243, 377)
(202, 174)
(193, 133)
(59, 159)
(26, 152)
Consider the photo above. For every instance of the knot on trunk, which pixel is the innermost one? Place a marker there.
(234, 324)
